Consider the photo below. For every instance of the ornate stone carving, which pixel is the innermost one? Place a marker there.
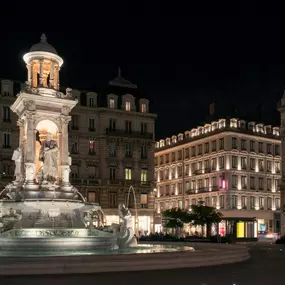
(31, 90)
(68, 93)
(30, 171)
(48, 155)
(18, 159)
(30, 105)
(65, 110)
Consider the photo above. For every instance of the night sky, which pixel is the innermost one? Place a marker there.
(182, 63)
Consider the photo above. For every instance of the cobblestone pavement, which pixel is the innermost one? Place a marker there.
(266, 267)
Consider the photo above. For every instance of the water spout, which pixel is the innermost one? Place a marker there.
(136, 210)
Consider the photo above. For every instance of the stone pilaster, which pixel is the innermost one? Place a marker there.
(64, 153)
(51, 76)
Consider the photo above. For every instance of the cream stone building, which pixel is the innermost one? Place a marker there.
(229, 164)
(111, 140)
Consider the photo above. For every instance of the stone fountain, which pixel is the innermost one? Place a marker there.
(41, 208)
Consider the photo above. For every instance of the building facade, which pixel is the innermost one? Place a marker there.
(229, 164)
(111, 143)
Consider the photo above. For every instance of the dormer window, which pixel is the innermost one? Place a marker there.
(91, 102)
(143, 108)
(128, 106)
(112, 103)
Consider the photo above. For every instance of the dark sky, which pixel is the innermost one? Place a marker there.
(183, 58)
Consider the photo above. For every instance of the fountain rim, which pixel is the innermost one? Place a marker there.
(48, 200)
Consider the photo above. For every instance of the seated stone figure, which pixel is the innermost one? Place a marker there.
(124, 231)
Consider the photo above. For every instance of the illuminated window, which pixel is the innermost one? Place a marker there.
(92, 147)
(143, 200)
(128, 106)
(112, 103)
(112, 199)
(128, 173)
(144, 176)
(143, 108)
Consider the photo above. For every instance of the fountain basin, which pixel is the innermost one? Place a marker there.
(34, 242)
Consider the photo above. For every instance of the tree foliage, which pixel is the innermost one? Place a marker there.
(200, 215)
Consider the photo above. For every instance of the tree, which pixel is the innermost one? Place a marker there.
(175, 218)
(205, 216)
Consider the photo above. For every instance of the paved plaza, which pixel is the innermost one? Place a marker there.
(265, 268)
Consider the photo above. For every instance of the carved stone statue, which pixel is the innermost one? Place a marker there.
(18, 159)
(48, 155)
(68, 93)
(124, 231)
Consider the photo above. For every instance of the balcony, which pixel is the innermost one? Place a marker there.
(131, 134)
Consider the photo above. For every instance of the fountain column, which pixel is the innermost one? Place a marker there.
(30, 152)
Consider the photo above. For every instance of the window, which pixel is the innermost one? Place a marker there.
(143, 176)
(222, 201)
(7, 140)
(214, 164)
(186, 152)
(260, 183)
(207, 183)
(93, 197)
(269, 203)
(214, 146)
(128, 126)
(112, 173)
(112, 103)
(252, 146)
(268, 148)
(74, 122)
(277, 166)
(269, 166)
(129, 200)
(92, 149)
(252, 182)
(243, 144)
(179, 154)
(112, 200)
(234, 161)
(128, 106)
(206, 147)
(91, 102)
(269, 184)
(112, 149)
(199, 149)
(207, 165)
(128, 150)
(144, 200)
(180, 205)
(91, 125)
(173, 156)
(91, 172)
(277, 149)
(221, 162)
(74, 148)
(243, 202)
(144, 152)
(128, 173)
(207, 201)
(214, 201)
(187, 185)
(243, 182)
(260, 147)
(179, 185)
(200, 184)
(277, 203)
(193, 151)
(234, 201)
(179, 170)
(143, 128)
(112, 125)
(243, 162)
(261, 202)
(234, 181)
(221, 143)
(6, 114)
(234, 143)
(143, 108)
(193, 184)
(252, 163)
(252, 202)
(260, 164)
(214, 181)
